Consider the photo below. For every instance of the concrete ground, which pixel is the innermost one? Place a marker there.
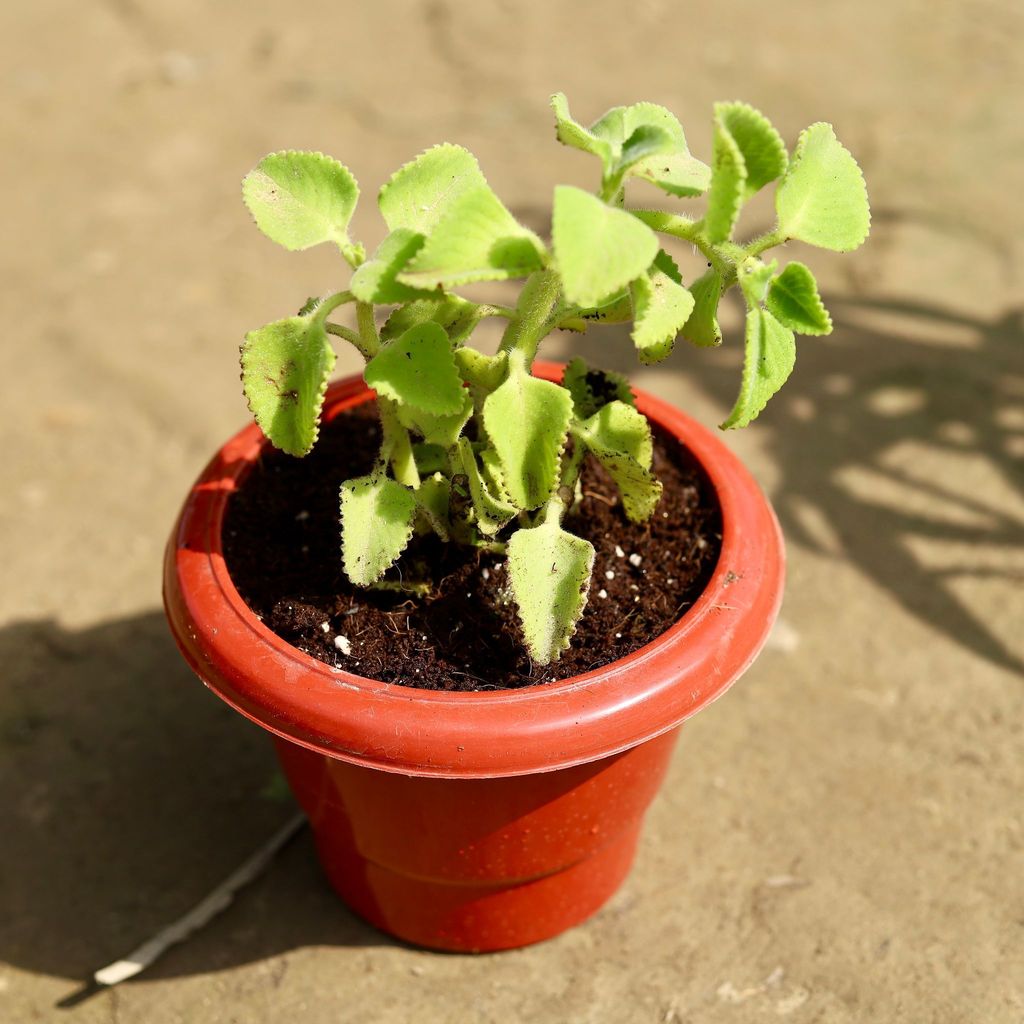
(842, 838)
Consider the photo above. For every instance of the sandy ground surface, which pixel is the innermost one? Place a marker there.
(842, 838)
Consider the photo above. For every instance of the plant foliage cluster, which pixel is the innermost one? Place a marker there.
(475, 448)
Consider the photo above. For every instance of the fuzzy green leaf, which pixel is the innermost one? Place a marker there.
(620, 125)
(621, 427)
(702, 327)
(422, 193)
(591, 388)
(754, 276)
(598, 249)
(794, 301)
(433, 496)
(492, 511)
(648, 140)
(376, 523)
(728, 185)
(822, 199)
(285, 367)
(418, 370)
(661, 306)
(450, 311)
(301, 199)
(375, 281)
(571, 133)
(769, 357)
(549, 570)
(620, 438)
(470, 235)
(430, 458)
(443, 431)
(479, 370)
(527, 421)
(678, 174)
(760, 145)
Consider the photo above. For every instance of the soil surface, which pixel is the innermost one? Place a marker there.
(281, 542)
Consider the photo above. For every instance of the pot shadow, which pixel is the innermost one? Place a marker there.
(129, 794)
(899, 446)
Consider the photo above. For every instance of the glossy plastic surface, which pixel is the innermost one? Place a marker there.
(477, 864)
(475, 735)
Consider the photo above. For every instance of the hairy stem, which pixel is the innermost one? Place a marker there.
(340, 331)
(397, 443)
(530, 324)
(396, 437)
(565, 494)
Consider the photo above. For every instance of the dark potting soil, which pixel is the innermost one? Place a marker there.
(281, 543)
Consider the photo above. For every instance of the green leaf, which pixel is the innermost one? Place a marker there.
(422, 193)
(418, 370)
(301, 199)
(479, 370)
(470, 235)
(769, 356)
(678, 174)
(598, 249)
(702, 327)
(492, 511)
(449, 311)
(753, 276)
(527, 420)
(570, 133)
(376, 523)
(375, 280)
(285, 366)
(591, 388)
(794, 301)
(670, 166)
(620, 124)
(430, 458)
(661, 306)
(620, 438)
(760, 145)
(549, 570)
(822, 199)
(728, 185)
(618, 309)
(443, 431)
(648, 140)
(434, 496)
(621, 427)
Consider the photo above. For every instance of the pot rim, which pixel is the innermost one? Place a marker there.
(543, 727)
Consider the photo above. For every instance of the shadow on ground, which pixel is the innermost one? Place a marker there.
(899, 444)
(129, 792)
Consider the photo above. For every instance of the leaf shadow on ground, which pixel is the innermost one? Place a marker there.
(899, 446)
(130, 792)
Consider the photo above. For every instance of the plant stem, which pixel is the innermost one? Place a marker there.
(561, 501)
(529, 324)
(396, 437)
(396, 440)
(330, 304)
(367, 330)
(767, 241)
(340, 331)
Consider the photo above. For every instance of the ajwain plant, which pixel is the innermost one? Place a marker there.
(476, 448)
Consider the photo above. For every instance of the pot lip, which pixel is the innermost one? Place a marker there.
(543, 727)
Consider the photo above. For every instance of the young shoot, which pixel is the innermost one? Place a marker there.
(474, 447)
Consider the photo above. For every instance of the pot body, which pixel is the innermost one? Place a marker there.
(471, 865)
(476, 821)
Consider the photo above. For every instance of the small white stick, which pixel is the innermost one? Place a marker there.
(203, 912)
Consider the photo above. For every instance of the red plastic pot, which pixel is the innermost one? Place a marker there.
(476, 821)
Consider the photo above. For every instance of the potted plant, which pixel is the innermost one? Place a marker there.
(497, 817)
